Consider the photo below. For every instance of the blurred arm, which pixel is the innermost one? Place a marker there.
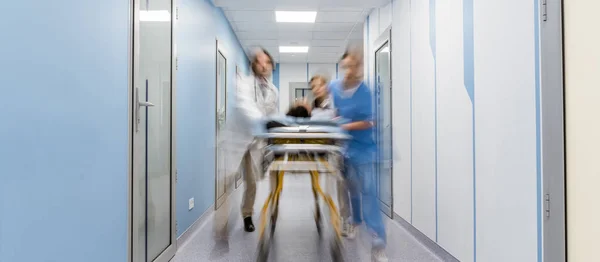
(246, 102)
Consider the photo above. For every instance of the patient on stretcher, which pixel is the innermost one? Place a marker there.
(296, 111)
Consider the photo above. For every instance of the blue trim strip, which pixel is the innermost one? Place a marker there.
(432, 45)
(307, 72)
(411, 109)
(538, 160)
(368, 52)
(276, 76)
(469, 78)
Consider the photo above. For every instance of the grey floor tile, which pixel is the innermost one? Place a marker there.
(296, 238)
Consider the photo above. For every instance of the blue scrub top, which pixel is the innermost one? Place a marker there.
(357, 107)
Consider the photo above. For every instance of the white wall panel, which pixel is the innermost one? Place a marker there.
(505, 135)
(289, 73)
(582, 64)
(455, 135)
(424, 217)
(327, 69)
(385, 17)
(401, 125)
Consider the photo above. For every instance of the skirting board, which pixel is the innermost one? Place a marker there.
(423, 239)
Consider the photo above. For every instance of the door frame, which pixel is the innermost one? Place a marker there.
(552, 132)
(220, 48)
(134, 235)
(384, 38)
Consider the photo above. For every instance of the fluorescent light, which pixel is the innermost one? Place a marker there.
(295, 16)
(155, 16)
(293, 49)
(385, 49)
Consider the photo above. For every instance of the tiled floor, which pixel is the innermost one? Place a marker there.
(296, 237)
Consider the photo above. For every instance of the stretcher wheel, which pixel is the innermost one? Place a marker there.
(336, 250)
(273, 224)
(318, 221)
(263, 251)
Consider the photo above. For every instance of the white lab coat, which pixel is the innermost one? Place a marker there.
(251, 108)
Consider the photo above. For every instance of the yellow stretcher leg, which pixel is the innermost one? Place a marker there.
(335, 219)
(273, 201)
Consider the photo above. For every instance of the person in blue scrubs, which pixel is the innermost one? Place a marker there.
(353, 101)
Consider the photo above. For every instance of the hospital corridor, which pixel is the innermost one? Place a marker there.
(300, 131)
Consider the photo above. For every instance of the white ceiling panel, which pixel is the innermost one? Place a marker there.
(329, 4)
(251, 16)
(330, 35)
(337, 23)
(283, 35)
(259, 42)
(257, 35)
(330, 43)
(333, 17)
(326, 49)
(295, 42)
(333, 27)
(356, 35)
(256, 26)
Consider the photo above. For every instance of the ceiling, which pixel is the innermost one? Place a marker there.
(338, 22)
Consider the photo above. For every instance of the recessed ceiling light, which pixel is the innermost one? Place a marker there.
(155, 16)
(293, 49)
(295, 16)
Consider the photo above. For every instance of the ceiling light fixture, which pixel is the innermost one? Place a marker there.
(293, 49)
(295, 16)
(385, 50)
(155, 16)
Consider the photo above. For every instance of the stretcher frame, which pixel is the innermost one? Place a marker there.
(296, 150)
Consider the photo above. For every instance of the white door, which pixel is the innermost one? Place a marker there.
(383, 111)
(221, 182)
(153, 236)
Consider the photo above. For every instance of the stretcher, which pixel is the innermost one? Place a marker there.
(301, 147)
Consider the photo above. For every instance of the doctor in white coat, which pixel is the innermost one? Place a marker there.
(256, 99)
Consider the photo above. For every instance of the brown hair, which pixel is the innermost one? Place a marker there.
(317, 77)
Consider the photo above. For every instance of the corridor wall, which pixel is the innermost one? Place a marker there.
(200, 24)
(582, 90)
(465, 121)
(64, 132)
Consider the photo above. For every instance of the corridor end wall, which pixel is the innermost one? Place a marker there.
(300, 72)
(465, 123)
(200, 24)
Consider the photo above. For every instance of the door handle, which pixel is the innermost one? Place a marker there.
(139, 104)
(146, 104)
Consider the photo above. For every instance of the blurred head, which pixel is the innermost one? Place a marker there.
(352, 63)
(262, 63)
(301, 111)
(318, 85)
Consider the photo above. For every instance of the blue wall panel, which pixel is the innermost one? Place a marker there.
(200, 24)
(64, 131)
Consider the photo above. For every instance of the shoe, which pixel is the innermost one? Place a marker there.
(378, 255)
(248, 225)
(351, 231)
(345, 227)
